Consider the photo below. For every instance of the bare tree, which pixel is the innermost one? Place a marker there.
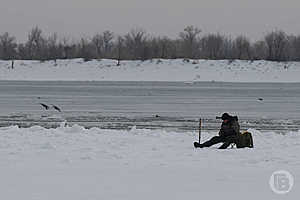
(159, 47)
(164, 45)
(97, 41)
(135, 42)
(67, 48)
(8, 47)
(36, 44)
(190, 41)
(54, 50)
(107, 42)
(259, 50)
(212, 46)
(85, 50)
(154, 47)
(276, 43)
(294, 46)
(242, 48)
(103, 44)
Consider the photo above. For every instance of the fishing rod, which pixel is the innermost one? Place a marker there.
(200, 126)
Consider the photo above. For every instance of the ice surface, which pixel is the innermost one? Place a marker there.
(174, 105)
(76, 163)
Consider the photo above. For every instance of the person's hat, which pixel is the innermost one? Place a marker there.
(224, 116)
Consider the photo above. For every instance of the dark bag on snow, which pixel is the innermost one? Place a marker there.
(244, 140)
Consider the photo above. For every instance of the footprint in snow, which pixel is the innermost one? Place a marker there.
(86, 157)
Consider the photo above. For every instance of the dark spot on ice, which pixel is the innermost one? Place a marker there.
(260, 99)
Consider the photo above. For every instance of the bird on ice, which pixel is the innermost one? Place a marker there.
(56, 108)
(45, 106)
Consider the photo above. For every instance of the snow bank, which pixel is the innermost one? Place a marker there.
(77, 163)
(152, 70)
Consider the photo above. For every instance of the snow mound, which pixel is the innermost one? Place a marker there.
(78, 163)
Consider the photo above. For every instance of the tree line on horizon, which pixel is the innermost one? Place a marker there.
(138, 45)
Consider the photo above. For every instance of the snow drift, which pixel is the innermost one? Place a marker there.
(78, 163)
(152, 70)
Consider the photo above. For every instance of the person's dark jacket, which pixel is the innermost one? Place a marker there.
(231, 128)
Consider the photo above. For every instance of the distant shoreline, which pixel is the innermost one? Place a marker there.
(155, 70)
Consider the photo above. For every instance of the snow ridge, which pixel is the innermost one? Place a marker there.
(152, 70)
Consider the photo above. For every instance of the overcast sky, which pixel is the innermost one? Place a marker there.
(159, 17)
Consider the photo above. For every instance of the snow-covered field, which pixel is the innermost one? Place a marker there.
(75, 163)
(152, 70)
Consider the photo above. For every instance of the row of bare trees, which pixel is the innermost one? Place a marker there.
(138, 45)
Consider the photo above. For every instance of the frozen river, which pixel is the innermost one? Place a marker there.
(169, 105)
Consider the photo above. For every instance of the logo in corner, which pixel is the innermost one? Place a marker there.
(281, 182)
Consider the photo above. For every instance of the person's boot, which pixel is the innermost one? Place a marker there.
(198, 145)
